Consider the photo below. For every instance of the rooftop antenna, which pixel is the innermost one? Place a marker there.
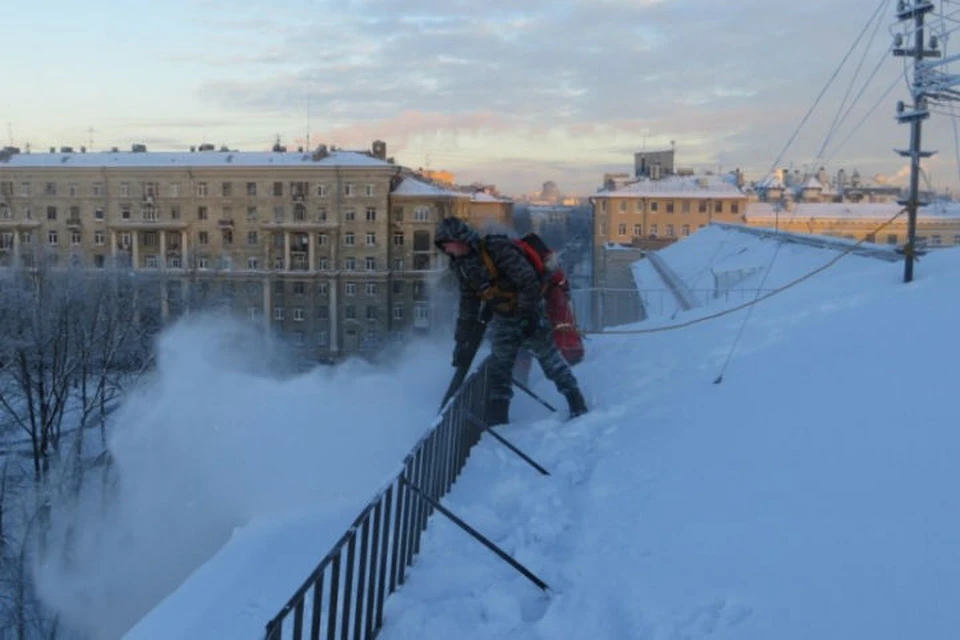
(10, 132)
(308, 122)
(90, 132)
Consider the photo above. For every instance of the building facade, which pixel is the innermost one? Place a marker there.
(652, 213)
(317, 244)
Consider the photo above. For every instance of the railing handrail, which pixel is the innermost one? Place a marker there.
(445, 445)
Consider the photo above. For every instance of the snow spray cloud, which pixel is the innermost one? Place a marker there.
(211, 442)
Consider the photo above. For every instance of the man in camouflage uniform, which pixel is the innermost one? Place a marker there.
(494, 271)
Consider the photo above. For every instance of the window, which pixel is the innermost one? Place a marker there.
(51, 213)
(98, 214)
(251, 214)
(99, 238)
(321, 214)
(734, 207)
(201, 189)
(349, 215)
(669, 206)
(349, 239)
(622, 229)
(623, 206)
(278, 313)
(891, 238)
(72, 189)
(277, 189)
(637, 230)
(321, 288)
(322, 191)
(685, 206)
(370, 191)
(654, 206)
(25, 189)
(323, 264)
(638, 206)
(99, 261)
(421, 313)
(398, 312)
(654, 230)
(174, 189)
(421, 214)
(52, 237)
(371, 239)
(348, 190)
(201, 213)
(350, 288)
(398, 239)
(398, 264)
(75, 238)
(370, 263)
(253, 263)
(322, 239)
(252, 189)
(669, 230)
(203, 262)
(175, 212)
(152, 262)
(936, 240)
(371, 288)
(350, 311)
(203, 237)
(372, 313)
(298, 314)
(227, 189)
(323, 338)
(349, 264)
(371, 214)
(718, 206)
(398, 287)
(685, 230)
(227, 236)
(323, 312)
(701, 206)
(421, 241)
(6, 240)
(398, 214)
(251, 238)
(299, 288)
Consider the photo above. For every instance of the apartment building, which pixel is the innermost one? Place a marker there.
(317, 244)
(650, 213)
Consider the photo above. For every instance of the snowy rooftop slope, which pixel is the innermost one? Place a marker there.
(154, 159)
(419, 188)
(810, 494)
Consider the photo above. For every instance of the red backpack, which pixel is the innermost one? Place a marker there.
(556, 294)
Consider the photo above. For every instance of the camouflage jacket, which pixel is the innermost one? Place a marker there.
(516, 277)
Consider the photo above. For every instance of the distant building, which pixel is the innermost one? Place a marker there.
(653, 164)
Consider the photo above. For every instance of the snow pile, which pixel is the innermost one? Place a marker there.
(810, 494)
(214, 442)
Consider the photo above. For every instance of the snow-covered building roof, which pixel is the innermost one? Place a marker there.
(812, 183)
(418, 188)
(483, 196)
(844, 210)
(159, 159)
(676, 187)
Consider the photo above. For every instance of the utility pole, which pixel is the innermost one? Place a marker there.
(915, 10)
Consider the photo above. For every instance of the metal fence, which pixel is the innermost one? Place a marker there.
(344, 596)
(597, 309)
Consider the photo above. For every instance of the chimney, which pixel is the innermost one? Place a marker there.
(380, 149)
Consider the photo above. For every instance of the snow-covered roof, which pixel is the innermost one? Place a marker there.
(483, 196)
(845, 210)
(418, 188)
(772, 181)
(676, 187)
(812, 183)
(157, 159)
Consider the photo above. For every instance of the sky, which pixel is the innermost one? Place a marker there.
(500, 92)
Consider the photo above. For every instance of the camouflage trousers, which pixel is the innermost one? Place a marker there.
(507, 340)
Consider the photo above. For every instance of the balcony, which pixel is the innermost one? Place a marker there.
(73, 222)
(225, 223)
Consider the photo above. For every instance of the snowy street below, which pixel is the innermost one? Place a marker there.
(810, 494)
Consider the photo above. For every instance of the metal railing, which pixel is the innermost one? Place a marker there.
(599, 308)
(344, 596)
